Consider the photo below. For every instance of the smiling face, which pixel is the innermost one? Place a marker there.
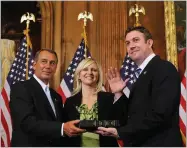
(89, 75)
(45, 66)
(137, 47)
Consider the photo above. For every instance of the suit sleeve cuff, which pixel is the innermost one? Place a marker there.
(62, 130)
(117, 96)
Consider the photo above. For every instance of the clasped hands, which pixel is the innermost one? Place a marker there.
(71, 130)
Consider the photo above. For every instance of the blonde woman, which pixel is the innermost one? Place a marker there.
(89, 102)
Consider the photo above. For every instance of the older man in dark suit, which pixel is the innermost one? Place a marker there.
(37, 110)
(153, 104)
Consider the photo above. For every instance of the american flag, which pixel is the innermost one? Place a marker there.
(182, 109)
(17, 73)
(66, 85)
(127, 71)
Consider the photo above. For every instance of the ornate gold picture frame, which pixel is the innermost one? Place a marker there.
(175, 33)
(170, 32)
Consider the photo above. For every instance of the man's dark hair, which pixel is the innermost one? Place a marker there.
(141, 29)
(45, 49)
(147, 34)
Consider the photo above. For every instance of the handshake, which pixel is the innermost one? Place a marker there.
(91, 125)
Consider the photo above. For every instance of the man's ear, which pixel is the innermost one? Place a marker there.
(150, 43)
(34, 65)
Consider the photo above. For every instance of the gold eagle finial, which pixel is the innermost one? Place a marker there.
(136, 10)
(85, 16)
(28, 18)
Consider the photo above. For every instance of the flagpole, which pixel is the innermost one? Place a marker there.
(85, 16)
(85, 41)
(27, 18)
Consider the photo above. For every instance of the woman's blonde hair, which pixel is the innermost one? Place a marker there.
(83, 64)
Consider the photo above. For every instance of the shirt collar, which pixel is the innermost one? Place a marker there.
(43, 85)
(146, 61)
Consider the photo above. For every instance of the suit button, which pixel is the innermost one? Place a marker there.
(50, 141)
(128, 116)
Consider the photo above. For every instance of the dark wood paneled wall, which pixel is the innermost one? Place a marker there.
(105, 33)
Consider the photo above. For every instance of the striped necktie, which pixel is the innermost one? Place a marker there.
(137, 72)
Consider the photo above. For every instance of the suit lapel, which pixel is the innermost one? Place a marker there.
(76, 103)
(144, 73)
(57, 104)
(41, 99)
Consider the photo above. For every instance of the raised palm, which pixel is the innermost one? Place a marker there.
(115, 81)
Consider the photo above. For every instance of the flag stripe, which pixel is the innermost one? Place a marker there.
(65, 89)
(184, 81)
(62, 94)
(6, 114)
(182, 126)
(183, 93)
(7, 89)
(5, 99)
(3, 136)
(6, 128)
(183, 103)
(183, 87)
(182, 109)
(182, 114)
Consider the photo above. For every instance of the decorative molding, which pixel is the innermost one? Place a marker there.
(57, 44)
(47, 24)
(170, 32)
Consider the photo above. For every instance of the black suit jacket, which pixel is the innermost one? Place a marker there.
(34, 122)
(106, 111)
(153, 108)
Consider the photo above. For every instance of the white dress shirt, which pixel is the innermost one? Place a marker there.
(47, 92)
(146, 61)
